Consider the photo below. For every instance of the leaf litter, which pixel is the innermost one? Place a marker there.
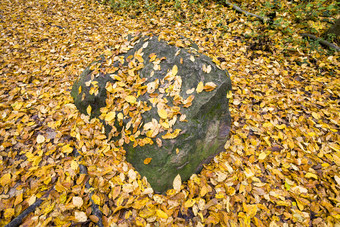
(281, 164)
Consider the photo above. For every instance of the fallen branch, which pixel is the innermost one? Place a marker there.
(238, 9)
(95, 208)
(322, 41)
(18, 220)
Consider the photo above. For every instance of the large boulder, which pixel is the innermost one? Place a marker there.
(165, 104)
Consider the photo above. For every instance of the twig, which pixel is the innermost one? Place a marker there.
(322, 41)
(238, 9)
(18, 220)
(95, 208)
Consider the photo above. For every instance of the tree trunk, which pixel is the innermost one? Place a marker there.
(335, 29)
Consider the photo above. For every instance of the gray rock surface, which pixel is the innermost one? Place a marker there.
(181, 106)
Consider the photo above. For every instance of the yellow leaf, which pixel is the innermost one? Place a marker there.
(336, 159)
(315, 115)
(110, 116)
(262, 156)
(79, 90)
(139, 58)
(77, 201)
(190, 91)
(280, 126)
(18, 199)
(120, 116)
(131, 99)
(80, 216)
(335, 147)
(337, 179)
(96, 199)
(59, 187)
(88, 110)
(209, 69)
(267, 125)
(229, 94)
(250, 210)
(171, 135)
(161, 214)
(183, 117)
(48, 208)
(40, 139)
(5, 179)
(177, 183)
(199, 88)
(189, 203)
(300, 205)
(147, 161)
(152, 57)
(209, 86)
(74, 165)
(311, 175)
(192, 58)
(32, 200)
(159, 142)
(67, 149)
(174, 70)
(188, 101)
(162, 113)
(9, 212)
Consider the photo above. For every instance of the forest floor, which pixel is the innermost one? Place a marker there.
(280, 167)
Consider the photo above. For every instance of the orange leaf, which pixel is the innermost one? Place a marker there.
(147, 161)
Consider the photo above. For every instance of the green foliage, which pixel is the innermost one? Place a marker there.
(122, 4)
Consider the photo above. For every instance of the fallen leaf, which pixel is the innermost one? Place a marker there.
(77, 201)
(40, 139)
(199, 87)
(210, 86)
(147, 161)
(80, 216)
(96, 199)
(177, 183)
(162, 113)
(130, 99)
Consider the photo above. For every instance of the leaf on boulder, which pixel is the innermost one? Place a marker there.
(147, 161)
(177, 183)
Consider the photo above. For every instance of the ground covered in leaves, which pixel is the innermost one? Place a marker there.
(281, 164)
